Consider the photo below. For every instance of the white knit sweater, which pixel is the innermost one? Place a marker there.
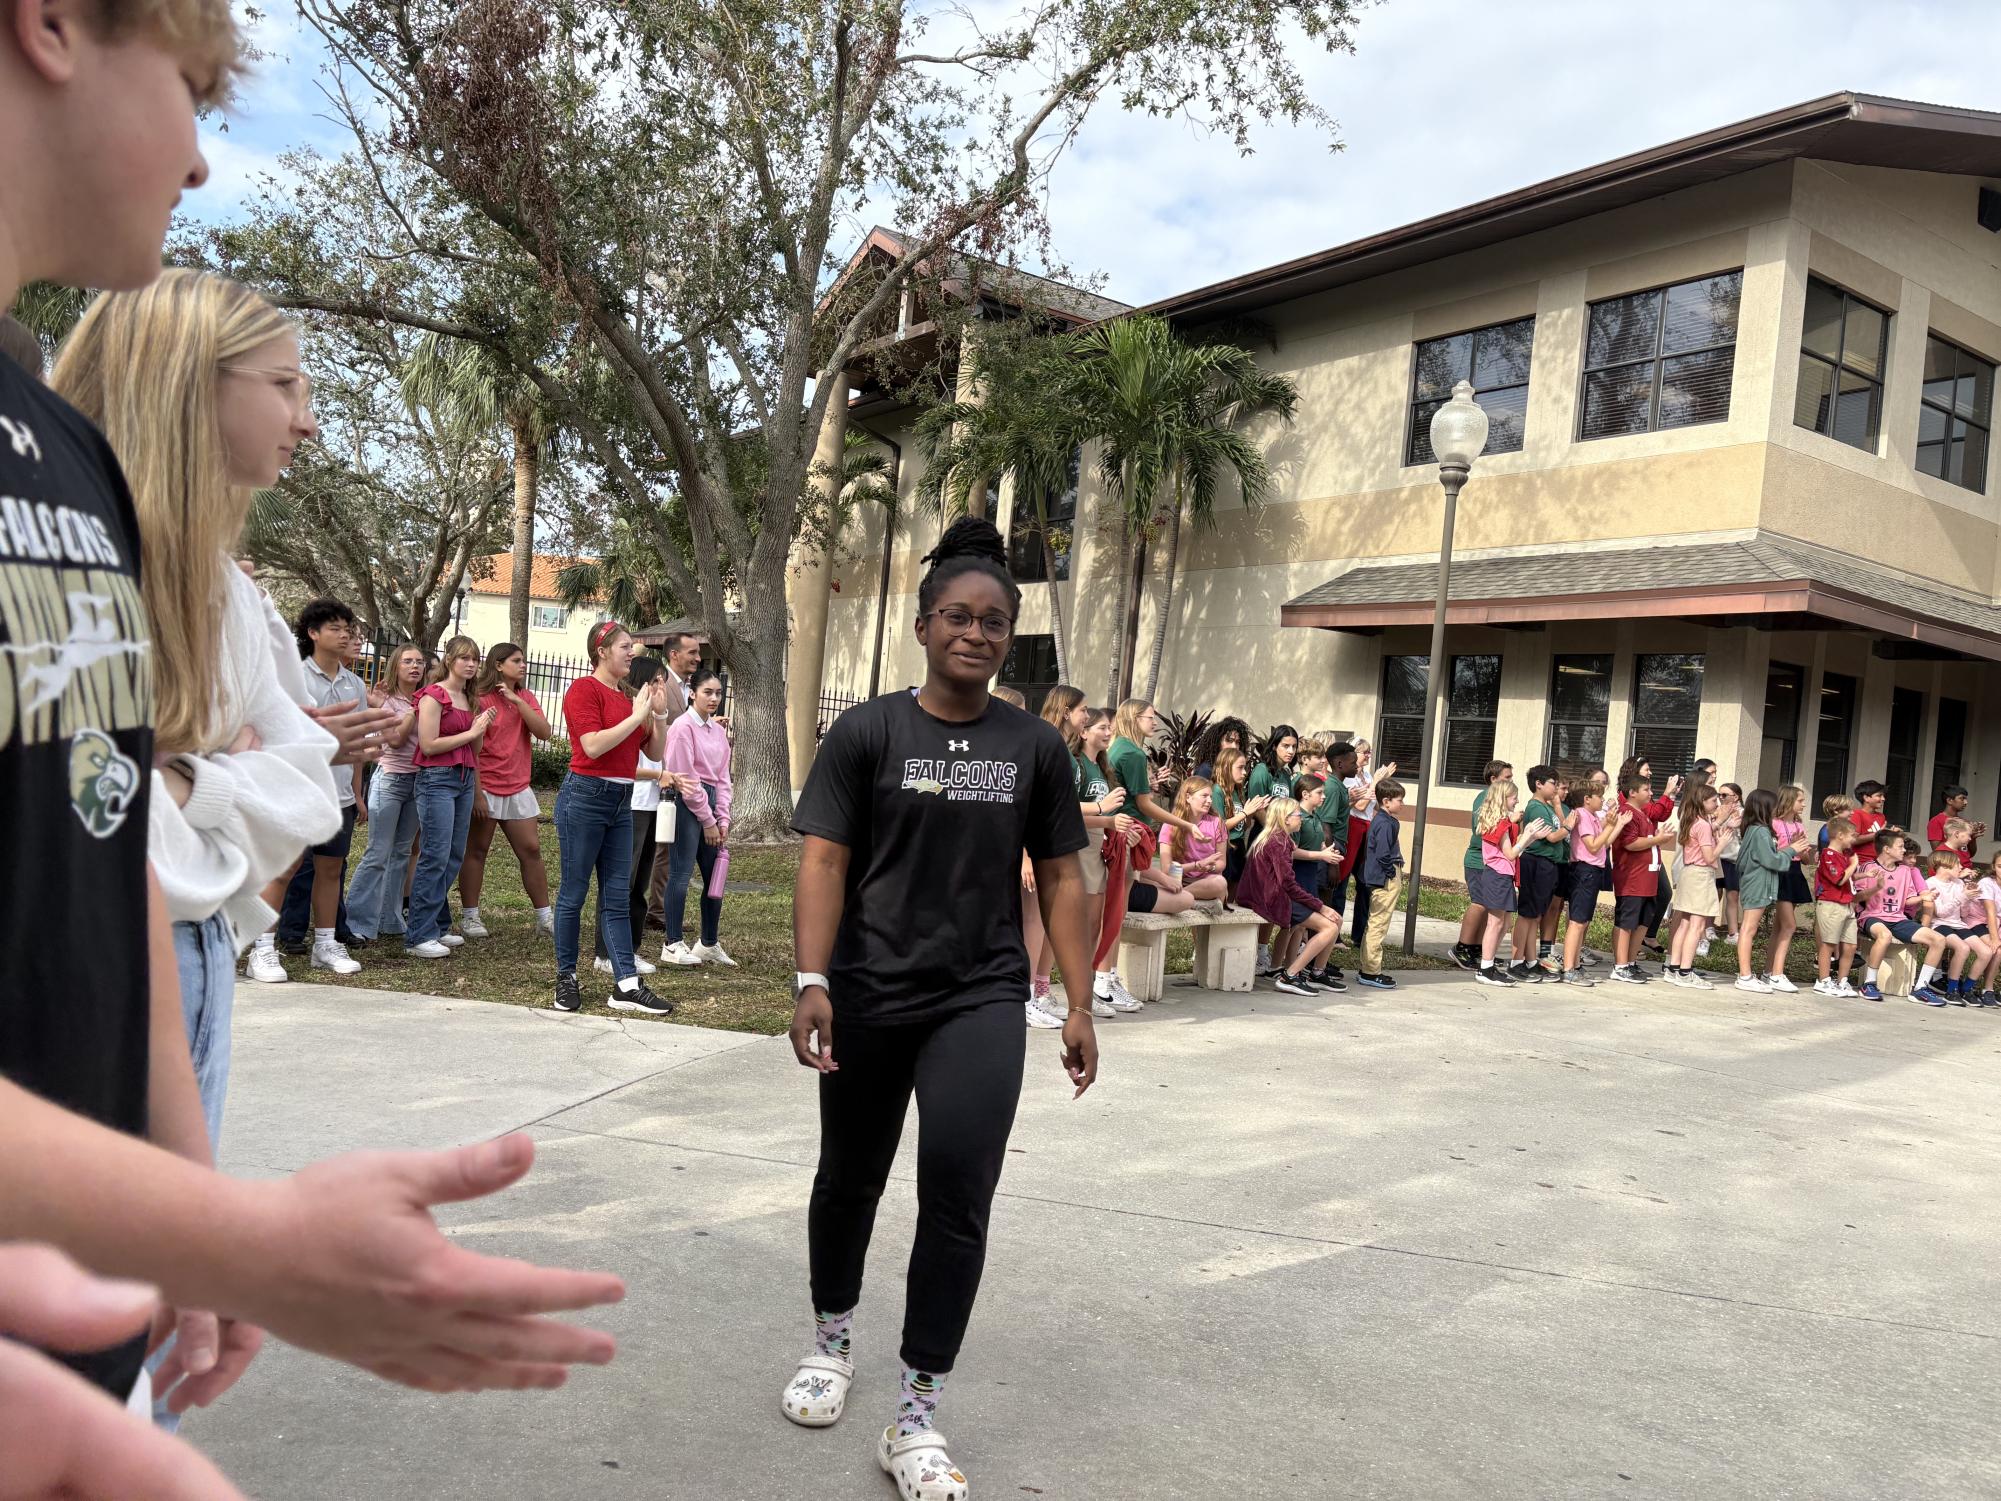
(250, 815)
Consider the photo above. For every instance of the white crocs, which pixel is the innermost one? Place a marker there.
(921, 1468)
(818, 1393)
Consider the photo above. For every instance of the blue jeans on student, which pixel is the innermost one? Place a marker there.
(444, 813)
(205, 955)
(375, 895)
(594, 833)
(691, 852)
(296, 915)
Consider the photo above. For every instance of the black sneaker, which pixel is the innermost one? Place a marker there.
(1465, 956)
(1629, 974)
(354, 941)
(640, 999)
(1524, 974)
(568, 996)
(1334, 972)
(1493, 974)
(296, 947)
(1331, 982)
(1375, 982)
(1295, 985)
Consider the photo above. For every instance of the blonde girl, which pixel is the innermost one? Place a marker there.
(1132, 726)
(1270, 889)
(196, 382)
(1697, 902)
(1203, 854)
(503, 798)
(449, 732)
(1502, 841)
(375, 895)
(1795, 889)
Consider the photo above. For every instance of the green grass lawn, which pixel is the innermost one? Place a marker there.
(517, 965)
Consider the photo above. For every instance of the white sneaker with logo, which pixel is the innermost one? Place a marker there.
(1120, 998)
(1039, 1018)
(1781, 983)
(451, 940)
(1824, 986)
(472, 927)
(265, 967)
(1847, 991)
(329, 954)
(1753, 983)
(679, 953)
(429, 949)
(712, 953)
(603, 965)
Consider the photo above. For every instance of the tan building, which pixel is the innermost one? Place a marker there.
(1737, 501)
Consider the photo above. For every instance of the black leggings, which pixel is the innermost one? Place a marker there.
(966, 1070)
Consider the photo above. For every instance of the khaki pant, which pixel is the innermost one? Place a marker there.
(1382, 906)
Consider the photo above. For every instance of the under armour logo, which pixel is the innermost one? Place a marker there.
(959, 745)
(23, 439)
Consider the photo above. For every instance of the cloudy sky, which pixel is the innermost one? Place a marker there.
(1443, 102)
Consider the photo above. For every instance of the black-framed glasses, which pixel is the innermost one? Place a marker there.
(960, 622)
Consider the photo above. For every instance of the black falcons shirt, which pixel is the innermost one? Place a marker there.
(935, 816)
(76, 747)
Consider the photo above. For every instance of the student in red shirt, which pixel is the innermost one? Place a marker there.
(1834, 910)
(503, 798)
(1953, 810)
(1636, 861)
(593, 817)
(1868, 818)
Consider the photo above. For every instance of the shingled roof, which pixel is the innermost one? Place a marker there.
(1765, 575)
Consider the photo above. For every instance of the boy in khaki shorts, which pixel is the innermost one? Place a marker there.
(1834, 908)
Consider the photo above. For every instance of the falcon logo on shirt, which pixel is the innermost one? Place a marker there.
(958, 745)
(103, 780)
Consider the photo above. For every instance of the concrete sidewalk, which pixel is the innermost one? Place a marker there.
(1442, 1242)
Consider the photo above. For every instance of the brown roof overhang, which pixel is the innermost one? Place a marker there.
(1847, 127)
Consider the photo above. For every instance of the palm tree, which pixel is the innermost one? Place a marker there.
(469, 387)
(1025, 425)
(1167, 411)
(627, 581)
(50, 311)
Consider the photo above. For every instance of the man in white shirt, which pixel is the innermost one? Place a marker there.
(326, 632)
(683, 652)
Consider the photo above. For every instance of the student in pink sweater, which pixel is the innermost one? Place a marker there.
(698, 747)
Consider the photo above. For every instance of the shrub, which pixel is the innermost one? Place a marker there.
(551, 761)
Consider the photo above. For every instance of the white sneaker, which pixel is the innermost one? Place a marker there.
(1101, 1005)
(1846, 991)
(1753, 983)
(265, 967)
(603, 965)
(712, 953)
(1782, 984)
(679, 953)
(328, 954)
(472, 927)
(1694, 981)
(1037, 1017)
(451, 940)
(1701, 949)
(1120, 998)
(546, 926)
(430, 949)
(1824, 986)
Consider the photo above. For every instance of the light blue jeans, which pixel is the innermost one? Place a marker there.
(205, 954)
(444, 811)
(375, 895)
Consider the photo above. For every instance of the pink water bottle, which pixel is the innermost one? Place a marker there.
(719, 873)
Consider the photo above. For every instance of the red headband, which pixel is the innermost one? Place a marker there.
(599, 636)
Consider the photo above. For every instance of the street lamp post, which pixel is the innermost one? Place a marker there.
(1458, 435)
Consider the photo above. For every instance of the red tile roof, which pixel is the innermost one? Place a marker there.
(494, 574)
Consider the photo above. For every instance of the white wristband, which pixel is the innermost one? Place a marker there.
(804, 980)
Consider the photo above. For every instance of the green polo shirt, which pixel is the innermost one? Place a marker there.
(1334, 812)
(1131, 771)
(1473, 857)
(1090, 781)
(1312, 833)
(1556, 849)
(1264, 782)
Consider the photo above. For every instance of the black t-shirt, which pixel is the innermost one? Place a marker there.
(935, 816)
(76, 748)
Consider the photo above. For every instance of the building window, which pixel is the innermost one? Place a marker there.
(1031, 668)
(1024, 532)
(1660, 359)
(1785, 692)
(1580, 699)
(1667, 703)
(548, 617)
(1954, 415)
(1472, 704)
(1496, 361)
(1838, 698)
(1948, 746)
(1900, 765)
(1400, 736)
(1842, 350)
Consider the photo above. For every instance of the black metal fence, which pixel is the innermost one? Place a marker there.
(832, 706)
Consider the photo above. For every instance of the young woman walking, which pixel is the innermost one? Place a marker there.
(593, 814)
(907, 926)
(698, 752)
(375, 894)
(504, 798)
(449, 731)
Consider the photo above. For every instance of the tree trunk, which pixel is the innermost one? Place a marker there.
(1126, 544)
(760, 763)
(1166, 599)
(1129, 627)
(1055, 609)
(527, 463)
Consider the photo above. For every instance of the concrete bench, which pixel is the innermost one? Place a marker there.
(1225, 949)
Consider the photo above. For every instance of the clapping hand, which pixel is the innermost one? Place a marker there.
(357, 728)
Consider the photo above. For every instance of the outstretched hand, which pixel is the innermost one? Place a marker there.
(360, 1271)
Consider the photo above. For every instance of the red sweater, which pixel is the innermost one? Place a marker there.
(589, 706)
(1268, 886)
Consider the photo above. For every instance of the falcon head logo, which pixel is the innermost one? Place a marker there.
(102, 782)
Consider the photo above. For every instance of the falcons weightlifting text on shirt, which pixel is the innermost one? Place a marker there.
(961, 781)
